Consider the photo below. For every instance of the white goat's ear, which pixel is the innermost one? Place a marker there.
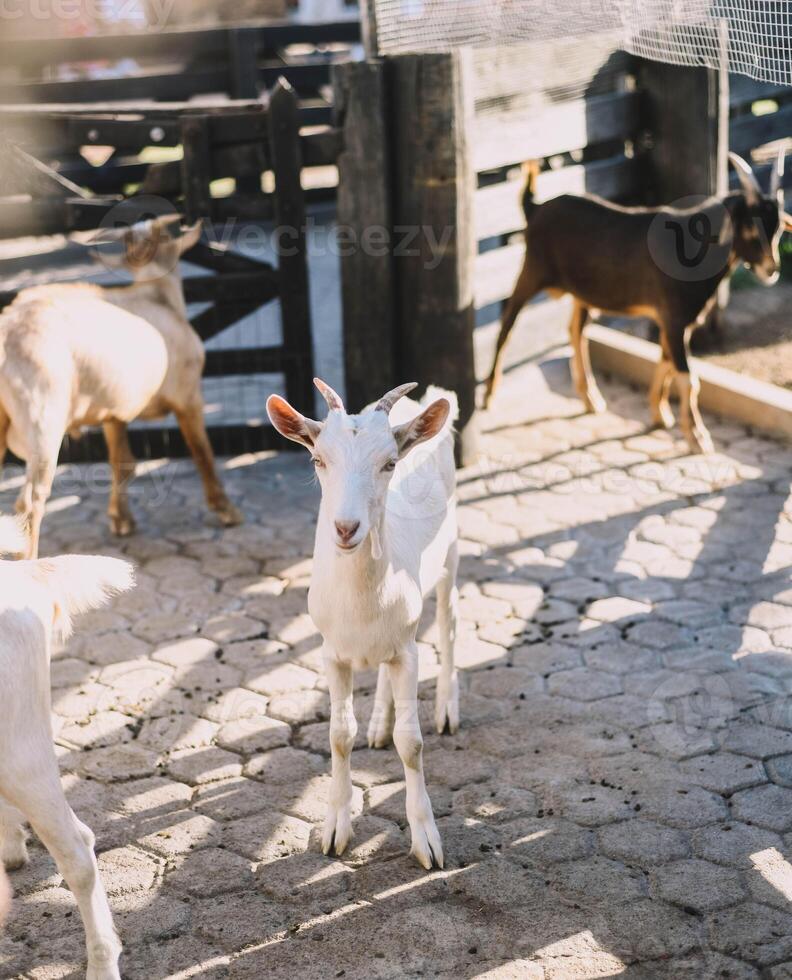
(189, 237)
(422, 427)
(290, 423)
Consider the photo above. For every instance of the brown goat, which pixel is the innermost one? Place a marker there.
(663, 263)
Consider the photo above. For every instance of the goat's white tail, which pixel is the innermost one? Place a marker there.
(79, 583)
(12, 537)
(433, 393)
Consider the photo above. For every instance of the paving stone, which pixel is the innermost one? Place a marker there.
(723, 772)
(266, 836)
(683, 806)
(753, 932)
(183, 831)
(766, 806)
(204, 765)
(697, 884)
(598, 879)
(252, 735)
(584, 684)
(643, 843)
(733, 843)
(211, 871)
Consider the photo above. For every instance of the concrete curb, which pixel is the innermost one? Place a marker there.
(733, 396)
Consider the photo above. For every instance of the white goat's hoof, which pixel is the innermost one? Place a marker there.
(427, 847)
(14, 853)
(447, 705)
(380, 729)
(229, 515)
(337, 831)
(104, 971)
(122, 527)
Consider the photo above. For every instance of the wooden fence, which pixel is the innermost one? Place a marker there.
(235, 139)
(431, 145)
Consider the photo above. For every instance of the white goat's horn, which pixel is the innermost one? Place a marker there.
(334, 402)
(748, 180)
(386, 403)
(775, 178)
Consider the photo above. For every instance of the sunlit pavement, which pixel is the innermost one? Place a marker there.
(617, 802)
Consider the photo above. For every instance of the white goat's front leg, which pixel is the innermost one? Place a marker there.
(380, 729)
(36, 791)
(426, 845)
(13, 839)
(447, 694)
(343, 729)
(39, 477)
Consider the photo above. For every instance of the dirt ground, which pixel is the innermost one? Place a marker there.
(755, 335)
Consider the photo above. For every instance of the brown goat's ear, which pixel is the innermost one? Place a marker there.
(786, 221)
(422, 427)
(291, 424)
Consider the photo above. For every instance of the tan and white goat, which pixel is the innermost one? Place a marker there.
(75, 355)
(37, 599)
(385, 539)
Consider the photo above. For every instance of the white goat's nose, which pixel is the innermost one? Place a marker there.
(346, 529)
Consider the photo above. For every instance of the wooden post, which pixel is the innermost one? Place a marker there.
(434, 239)
(684, 113)
(364, 227)
(284, 127)
(368, 28)
(196, 161)
(243, 71)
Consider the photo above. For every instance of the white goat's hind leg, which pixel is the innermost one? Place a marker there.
(193, 428)
(39, 475)
(40, 797)
(13, 839)
(426, 845)
(343, 729)
(380, 729)
(447, 694)
(122, 464)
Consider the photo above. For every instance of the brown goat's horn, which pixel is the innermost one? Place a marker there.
(386, 403)
(333, 400)
(748, 180)
(776, 176)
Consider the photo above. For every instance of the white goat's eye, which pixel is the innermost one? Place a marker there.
(317, 462)
(389, 466)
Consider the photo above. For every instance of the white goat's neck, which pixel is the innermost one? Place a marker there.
(166, 291)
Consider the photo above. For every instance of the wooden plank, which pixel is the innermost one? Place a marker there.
(195, 168)
(557, 129)
(534, 74)
(52, 216)
(743, 91)
(434, 184)
(748, 132)
(232, 287)
(36, 53)
(496, 273)
(242, 50)
(292, 264)
(683, 114)
(364, 208)
(498, 209)
(244, 360)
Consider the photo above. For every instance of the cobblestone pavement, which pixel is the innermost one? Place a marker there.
(617, 802)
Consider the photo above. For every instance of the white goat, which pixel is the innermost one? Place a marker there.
(386, 536)
(38, 598)
(75, 355)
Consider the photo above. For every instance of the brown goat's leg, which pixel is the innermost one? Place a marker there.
(191, 423)
(662, 416)
(525, 288)
(122, 464)
(582, 375)
(693, 428)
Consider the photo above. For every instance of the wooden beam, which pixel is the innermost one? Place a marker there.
(364, 212)
(292, 263)
(432, 146)
(554, 129)
(498, 210)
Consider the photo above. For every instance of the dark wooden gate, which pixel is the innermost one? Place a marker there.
(237, 140)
